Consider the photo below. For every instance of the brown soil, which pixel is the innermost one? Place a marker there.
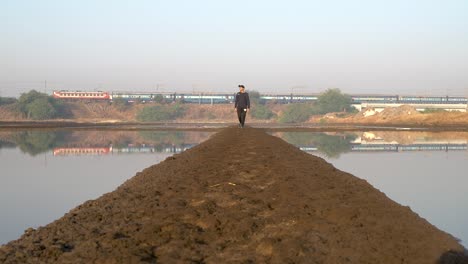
(240, 197)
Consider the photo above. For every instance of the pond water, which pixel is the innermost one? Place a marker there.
(44, 174)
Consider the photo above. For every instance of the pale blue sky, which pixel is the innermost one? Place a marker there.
(367, 46)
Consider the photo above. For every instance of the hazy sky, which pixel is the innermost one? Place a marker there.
(367, 46)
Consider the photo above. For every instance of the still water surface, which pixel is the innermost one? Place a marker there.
(44, 174)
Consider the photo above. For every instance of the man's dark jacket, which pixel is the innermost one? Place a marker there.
(242, 100)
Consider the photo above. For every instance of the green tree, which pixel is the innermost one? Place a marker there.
(36, 105)
(261, 112)
(41, 109)
(333, 100)
(296, 113)
(254, 97)
(159, 99)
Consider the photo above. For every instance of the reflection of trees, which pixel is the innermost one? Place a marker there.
(36, 142)
(333, 146)
(6, 144)
(122, 143)
(330, 145)
(164, 137)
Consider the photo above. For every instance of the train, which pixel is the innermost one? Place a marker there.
(80, 95)
(408, 99)
(222, 98)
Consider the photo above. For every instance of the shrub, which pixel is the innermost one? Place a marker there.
(255, 99)
(333, 100)
(433, 110)
(261, 112)
(159, 99)
(296, 113)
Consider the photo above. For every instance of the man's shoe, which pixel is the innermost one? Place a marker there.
(240, 125)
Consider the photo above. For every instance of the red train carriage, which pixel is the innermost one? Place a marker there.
(81, 95)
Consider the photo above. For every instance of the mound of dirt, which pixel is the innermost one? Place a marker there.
(240, 197)
(400, 111)
(404, 115)
(390, 114)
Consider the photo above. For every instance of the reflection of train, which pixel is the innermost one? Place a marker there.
(93, 151)
(82, 151)
(216, 98)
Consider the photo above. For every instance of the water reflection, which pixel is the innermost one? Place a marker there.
(332, 145)
(63, 143)
(32, 142)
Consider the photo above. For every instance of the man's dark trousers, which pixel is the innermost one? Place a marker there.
(241, 113)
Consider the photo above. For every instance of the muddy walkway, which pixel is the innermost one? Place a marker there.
(241, 197)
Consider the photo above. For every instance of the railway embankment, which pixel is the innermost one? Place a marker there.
(104, 115)
(242, 196)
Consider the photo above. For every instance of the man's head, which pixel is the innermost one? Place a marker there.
(241, 88)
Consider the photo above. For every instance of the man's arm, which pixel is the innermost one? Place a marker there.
(248, 101)
(235, 101)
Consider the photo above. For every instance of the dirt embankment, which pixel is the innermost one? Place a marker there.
(405, 115)
(241, 197)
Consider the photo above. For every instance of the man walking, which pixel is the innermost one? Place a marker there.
(242, 104)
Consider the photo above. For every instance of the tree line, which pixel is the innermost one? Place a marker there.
(40, 106)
